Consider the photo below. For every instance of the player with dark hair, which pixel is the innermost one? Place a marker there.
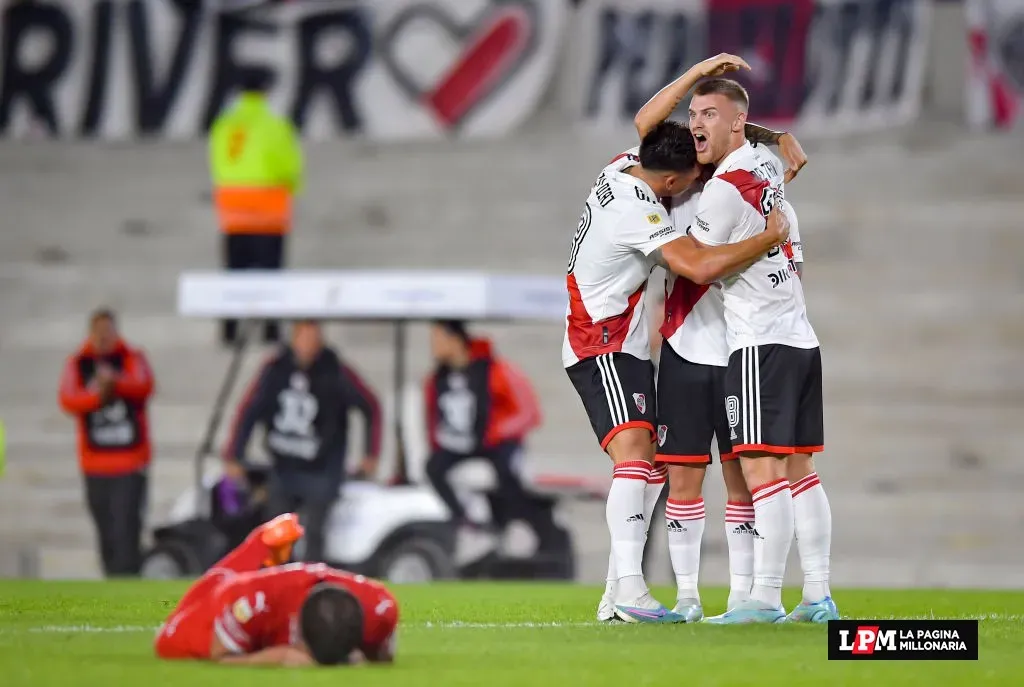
(623, 232)
(250, 609)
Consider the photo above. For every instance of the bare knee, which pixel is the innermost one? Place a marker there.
(798, 466)
(761, 468)
(685, 482)
(735, 485)
(631, 444)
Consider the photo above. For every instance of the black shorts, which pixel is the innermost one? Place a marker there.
(617, 390)
(773, 399)
(691, 410)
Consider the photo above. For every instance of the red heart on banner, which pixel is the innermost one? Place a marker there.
(494, 46)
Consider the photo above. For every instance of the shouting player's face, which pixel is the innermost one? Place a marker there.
(715, 120)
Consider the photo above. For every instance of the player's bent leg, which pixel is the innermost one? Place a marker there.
(739, 531)
(813, 528)
(684, 522)
(764, 473)
(267, 545)
(633, 454)
(655, 485)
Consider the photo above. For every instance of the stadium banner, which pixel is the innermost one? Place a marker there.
(822, 67)
(379, 69)
(995, 74)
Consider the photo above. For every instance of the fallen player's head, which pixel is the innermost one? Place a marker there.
(331, 623)
(669, 158)
(718, 113)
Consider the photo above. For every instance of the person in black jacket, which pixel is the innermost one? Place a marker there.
(302, 398)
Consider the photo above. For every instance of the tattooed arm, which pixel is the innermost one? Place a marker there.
(789, 148)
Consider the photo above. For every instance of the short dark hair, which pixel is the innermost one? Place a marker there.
(455, 328)
(102, 314)
(331, 622)
(668, 147)
(732, 90)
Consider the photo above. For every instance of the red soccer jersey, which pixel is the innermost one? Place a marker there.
(257, 610)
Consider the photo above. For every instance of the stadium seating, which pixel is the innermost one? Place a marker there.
(913, 275)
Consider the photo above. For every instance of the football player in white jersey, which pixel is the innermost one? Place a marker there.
(773, 379)
(622, 233)
(691, 376)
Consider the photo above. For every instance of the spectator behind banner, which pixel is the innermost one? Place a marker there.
(479, 406)
(256, 169)
(302, 398)
(106, 385)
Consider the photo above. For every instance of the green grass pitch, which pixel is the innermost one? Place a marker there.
(82, 634)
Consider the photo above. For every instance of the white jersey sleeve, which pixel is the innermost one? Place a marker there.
(719, 212)
(794, 231)
(645, 228)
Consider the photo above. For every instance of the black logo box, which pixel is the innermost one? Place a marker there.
(912, 640)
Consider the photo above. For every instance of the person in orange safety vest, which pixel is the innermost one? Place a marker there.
(256, 170)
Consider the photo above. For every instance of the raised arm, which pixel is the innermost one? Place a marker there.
(664, 103)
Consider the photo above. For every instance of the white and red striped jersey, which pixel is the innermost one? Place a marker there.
(621, 225)
(764, 304)
(694, 324)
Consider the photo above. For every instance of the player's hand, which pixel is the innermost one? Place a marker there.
(778, 225)
(367, 468)
(792, 154)
(105, 374)
(296, 658)
(723, 63)
(235, 471)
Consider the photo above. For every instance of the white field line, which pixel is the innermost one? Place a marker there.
(455, 625)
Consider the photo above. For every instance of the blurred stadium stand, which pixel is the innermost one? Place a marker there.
(914, 246)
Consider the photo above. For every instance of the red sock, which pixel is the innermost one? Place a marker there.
(246, 557)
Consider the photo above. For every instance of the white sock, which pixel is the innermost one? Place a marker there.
(739, 535)
(813, 520)
(627, 526)
(612, 578)
(773, 525)
(684, 521)
(655, 484)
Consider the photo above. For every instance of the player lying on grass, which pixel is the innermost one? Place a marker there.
(251, 609)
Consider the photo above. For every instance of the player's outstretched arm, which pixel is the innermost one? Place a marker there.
(789, 148)
(705, 264)
(288, 656)
(664, 103)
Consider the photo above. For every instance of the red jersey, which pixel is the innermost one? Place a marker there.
(257, 610)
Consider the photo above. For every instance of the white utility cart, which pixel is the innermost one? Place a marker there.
(400, 531)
